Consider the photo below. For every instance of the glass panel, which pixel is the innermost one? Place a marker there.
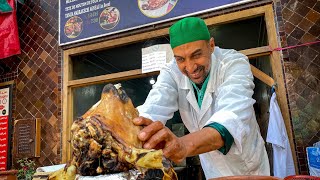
(137, 89)
(85, 97)
(245, 34)
(118, 59)
(239, 35)
(262, 95)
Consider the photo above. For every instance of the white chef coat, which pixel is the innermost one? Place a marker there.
(227, 101)
(283, 165)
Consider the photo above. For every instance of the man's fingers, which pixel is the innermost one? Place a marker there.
(147, 132)
(172, 154)
(160, 145)
(175, 151)
(141, 121)
(171, 150)
(168, 151)
(158, 137)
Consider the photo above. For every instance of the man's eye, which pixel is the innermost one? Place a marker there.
(179, 59)
(195, 56)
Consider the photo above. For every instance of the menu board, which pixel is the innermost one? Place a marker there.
(4, 125)
(26, 138)
(81, 20)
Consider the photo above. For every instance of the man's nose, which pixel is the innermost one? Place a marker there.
(190, 66)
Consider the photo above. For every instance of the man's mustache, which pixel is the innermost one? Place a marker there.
(199, 68)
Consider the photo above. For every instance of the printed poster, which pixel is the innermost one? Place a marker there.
(4, 125)
(81, 20)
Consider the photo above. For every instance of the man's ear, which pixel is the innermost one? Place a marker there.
(211, 43)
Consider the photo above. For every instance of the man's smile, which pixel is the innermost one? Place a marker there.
(196, 74)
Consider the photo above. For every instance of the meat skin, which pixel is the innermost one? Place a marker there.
(104, 139)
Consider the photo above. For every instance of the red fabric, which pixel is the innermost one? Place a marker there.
(9, 37)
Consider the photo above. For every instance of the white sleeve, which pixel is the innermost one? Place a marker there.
(162, 100)
(234, 102)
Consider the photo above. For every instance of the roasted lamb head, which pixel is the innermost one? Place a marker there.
(104, 139)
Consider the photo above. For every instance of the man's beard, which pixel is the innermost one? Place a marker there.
(199, 69)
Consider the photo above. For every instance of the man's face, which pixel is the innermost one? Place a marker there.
(194, 59)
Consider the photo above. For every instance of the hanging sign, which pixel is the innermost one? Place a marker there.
(4, 125)
(155, 57)
(153, 61)
(81, 20)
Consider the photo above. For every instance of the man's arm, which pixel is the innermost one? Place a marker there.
(162, 100)
(205, 140)
(175, 148)
(234, 103)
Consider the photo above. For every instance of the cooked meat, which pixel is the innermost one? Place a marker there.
(154, 4)
(104, 139)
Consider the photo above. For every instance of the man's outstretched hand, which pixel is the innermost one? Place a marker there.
(157, 136)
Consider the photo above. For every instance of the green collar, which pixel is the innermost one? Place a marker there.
(200, 92)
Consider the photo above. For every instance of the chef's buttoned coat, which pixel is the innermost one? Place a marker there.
(227, 101)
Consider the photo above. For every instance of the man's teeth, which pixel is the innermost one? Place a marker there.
(196, 73)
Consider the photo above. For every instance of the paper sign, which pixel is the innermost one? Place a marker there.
(155, 57)
(153, 61)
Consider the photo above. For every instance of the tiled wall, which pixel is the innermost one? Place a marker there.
(37, 74)
(299, 23)
(39, 81)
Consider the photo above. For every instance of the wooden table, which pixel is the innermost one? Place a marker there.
(8, 175)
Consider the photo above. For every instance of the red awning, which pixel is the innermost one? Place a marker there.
(9, 37)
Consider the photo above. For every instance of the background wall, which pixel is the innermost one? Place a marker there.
(298, 23)
(37, 72)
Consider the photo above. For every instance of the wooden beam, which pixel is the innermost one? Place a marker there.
(262, 76)
(110, 78)
(37, 148)
(117, 42)
(278, 77)
(257, 52)
(67, 108)
(236, 16)
(251, 53)
(6, 83)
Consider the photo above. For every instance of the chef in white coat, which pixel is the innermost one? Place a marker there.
(212, 88)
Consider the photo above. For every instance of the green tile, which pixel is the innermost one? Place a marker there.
(313, 126)
(310, 110)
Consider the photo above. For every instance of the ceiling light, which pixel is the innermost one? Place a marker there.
(152, 81)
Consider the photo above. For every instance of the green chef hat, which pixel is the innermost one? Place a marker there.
(188, 30)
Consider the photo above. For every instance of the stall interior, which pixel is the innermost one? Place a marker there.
(239, 35)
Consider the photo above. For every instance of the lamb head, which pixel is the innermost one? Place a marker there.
(104, 139)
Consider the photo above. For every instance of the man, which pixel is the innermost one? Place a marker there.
(212, 88)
